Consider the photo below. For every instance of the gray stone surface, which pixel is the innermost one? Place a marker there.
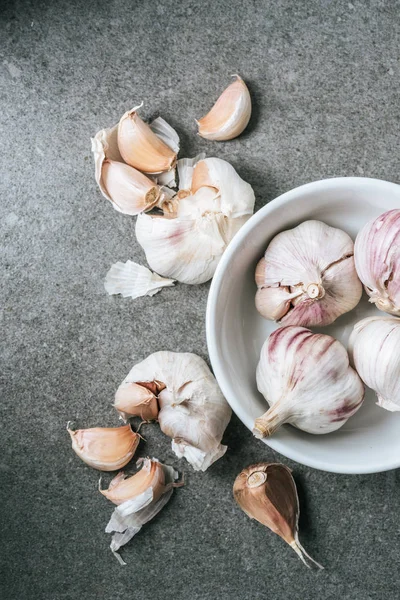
(324, 76)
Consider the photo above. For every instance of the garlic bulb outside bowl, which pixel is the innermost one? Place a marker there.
(374, 347)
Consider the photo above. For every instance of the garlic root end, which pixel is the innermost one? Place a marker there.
(302, 553)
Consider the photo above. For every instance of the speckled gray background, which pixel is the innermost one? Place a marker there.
(324, 77)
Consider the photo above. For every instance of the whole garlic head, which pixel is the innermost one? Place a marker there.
(307, 276)
(193, 411)
(307, 381)
(374, 347)
(377, 260)
(187, 242)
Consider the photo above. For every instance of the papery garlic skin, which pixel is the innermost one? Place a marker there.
(105, 448)
(377, 260)
(141, 148)
(374, 348)
(129, 191)
(139, 498)
(188, 242)
(133, 280)
(230, 115)
(307, 276)
(136, 400)
(307, 381)
(267, 492)
(193, 411)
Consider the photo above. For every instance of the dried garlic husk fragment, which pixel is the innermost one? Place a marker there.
(307, 276)
(138, 498)
(377, 259)
(267, 493)
(105, 448)
(230, 114)
(374, 346)
(307, 381)
(133, 280)
(187, 242)
(193, 411)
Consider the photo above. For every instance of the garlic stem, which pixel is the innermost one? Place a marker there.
(270, 421)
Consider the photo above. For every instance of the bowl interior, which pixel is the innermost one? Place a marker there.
(370, 440)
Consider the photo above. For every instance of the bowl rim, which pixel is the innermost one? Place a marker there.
(281, 200)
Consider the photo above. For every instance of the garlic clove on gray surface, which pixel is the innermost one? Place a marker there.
(193, 411)
(312, 266)
(105, 448)
(267, 493)
(230, 115)
(132, 280)
(377, 260)
(139, 498)
(142, 147)
(307, 381)
(137, 399)
(374, 347)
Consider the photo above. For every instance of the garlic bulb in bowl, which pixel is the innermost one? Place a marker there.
(307, 381)
(188, 240)
(374, 347)
(307, 276)
(377, 260)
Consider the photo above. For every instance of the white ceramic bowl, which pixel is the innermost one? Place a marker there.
(370, 440)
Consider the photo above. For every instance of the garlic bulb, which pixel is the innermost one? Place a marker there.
(138, 399)
(193, 411)
(187, 242)
(138, 498)
(133, 280)
(105, 448)
(307, 381)
(307, 276)
(142, 147)
(377, 259)
(267, 493)
(374, 346)
(230, 114)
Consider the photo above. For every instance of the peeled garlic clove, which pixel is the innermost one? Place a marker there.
(377, 259)
(193, 411)
(267, 493)
(105, 448)
(141, 147)
(230, 114)
(307, 381)
(146, 493)
(374, 346)
(136, 400)
(132, 280)
(313, 266)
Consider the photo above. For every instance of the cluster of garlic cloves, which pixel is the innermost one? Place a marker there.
(192, 409)
(230, 115)
(138, 498)
(307, 381)
(374, 347)
(307, 276)
(267, 493)
(377, 260)
(105, 448)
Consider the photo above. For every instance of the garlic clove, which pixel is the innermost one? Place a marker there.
(124, 488)
(145, 502)
(132, 280)
(230, 115)
(193, 411)
(377, 260)
(141, 148)
(374, 348)
(307, 381)
(105, 448)
(316, 263)
(267, 493)
(135, 399)
(185, 168)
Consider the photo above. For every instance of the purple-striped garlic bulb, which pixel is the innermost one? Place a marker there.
(307, 381)
(307, 276)
(377, 260)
